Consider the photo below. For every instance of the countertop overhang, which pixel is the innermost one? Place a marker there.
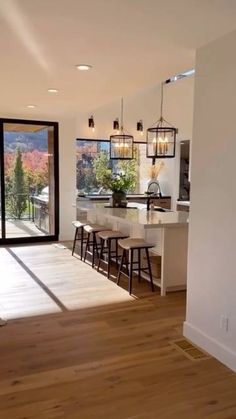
(106, 197)
(137, 214)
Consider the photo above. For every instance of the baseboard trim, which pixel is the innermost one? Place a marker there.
(210, 345)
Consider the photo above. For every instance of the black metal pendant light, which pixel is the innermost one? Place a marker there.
(121, 145)
(161, 137)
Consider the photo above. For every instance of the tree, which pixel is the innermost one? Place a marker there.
(17, 200)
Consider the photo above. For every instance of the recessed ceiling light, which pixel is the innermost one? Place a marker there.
(31, 106)
(83, 67)
(52, 90)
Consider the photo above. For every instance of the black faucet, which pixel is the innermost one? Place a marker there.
(149, 199)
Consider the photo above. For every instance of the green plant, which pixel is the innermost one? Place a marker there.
(123, 180)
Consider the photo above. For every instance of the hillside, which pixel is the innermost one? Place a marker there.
(25, 141)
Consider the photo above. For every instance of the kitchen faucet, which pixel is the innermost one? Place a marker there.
(153, 192)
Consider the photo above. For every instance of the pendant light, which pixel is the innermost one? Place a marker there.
(121, 144)
(161, 137)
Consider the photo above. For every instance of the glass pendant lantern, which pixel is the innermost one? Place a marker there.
(161, 137)
(121, 144)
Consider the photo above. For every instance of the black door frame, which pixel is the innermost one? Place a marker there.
(34, 239)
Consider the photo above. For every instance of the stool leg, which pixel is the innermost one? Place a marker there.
(116, 251)
(93, 249)
(126, 263)
(87, 245)
(109, 258)
(139, 265)
(81, 243)
(101, 254)
(96, 245)
(76, 232)
(131, 271)
(120, 267)
(149, 268)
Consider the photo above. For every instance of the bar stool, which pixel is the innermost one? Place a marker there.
(92, 229)
(109, 237)
(79, 227)
(130, 245)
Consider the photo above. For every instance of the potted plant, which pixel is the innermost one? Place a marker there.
(121, 181)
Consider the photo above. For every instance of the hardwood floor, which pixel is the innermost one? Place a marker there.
(77, 347)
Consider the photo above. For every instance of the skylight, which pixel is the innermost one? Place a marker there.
(187, 73)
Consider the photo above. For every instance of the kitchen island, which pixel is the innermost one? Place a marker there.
(167, 231)
(163, 201)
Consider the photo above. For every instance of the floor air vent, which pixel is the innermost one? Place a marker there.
(191, 351)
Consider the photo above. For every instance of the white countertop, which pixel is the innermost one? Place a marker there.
(185, 203)
(128, 196)
(138, 215)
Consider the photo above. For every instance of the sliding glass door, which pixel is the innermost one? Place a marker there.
(29, 180)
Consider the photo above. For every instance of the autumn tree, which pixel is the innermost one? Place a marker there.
(17, 199)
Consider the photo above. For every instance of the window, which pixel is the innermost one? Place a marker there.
(86, 151)
(187, 73)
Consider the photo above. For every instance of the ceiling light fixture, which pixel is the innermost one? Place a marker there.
(31, 106)
(161, 137)
(53, 90)
(140, 126)
(91, 123)
(121, 145)
(83, 67)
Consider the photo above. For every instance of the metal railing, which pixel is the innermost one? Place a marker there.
(11, 212)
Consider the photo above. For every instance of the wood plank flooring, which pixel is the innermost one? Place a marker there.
(79, 347)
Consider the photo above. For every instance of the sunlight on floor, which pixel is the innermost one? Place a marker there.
(43, 279)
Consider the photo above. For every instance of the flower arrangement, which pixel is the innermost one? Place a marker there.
(155, 169)
(123, 180)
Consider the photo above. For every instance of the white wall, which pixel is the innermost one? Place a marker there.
(67, 177)
(178, 110)
(212, 237)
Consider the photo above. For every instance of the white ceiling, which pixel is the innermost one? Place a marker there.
(131, 44)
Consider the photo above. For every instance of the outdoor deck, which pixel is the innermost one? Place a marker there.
(21, 228)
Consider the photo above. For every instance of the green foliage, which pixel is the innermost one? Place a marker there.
(16, 189)
(123, 181)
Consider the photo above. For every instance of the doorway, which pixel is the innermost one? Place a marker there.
(184, 184)
(29, 187)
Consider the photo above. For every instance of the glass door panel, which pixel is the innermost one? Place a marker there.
(29, 179)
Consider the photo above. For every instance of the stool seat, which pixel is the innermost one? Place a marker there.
(94, 228)
(78, 224)
(134, 243)
(110, 234)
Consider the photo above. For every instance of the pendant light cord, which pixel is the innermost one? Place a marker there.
(161, 110)
(121, 115)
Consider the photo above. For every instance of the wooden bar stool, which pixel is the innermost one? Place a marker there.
(129, 246)
(108, 237)
(92, 230)
(79, 228)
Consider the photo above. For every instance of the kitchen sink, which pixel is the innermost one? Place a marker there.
(162, 210)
